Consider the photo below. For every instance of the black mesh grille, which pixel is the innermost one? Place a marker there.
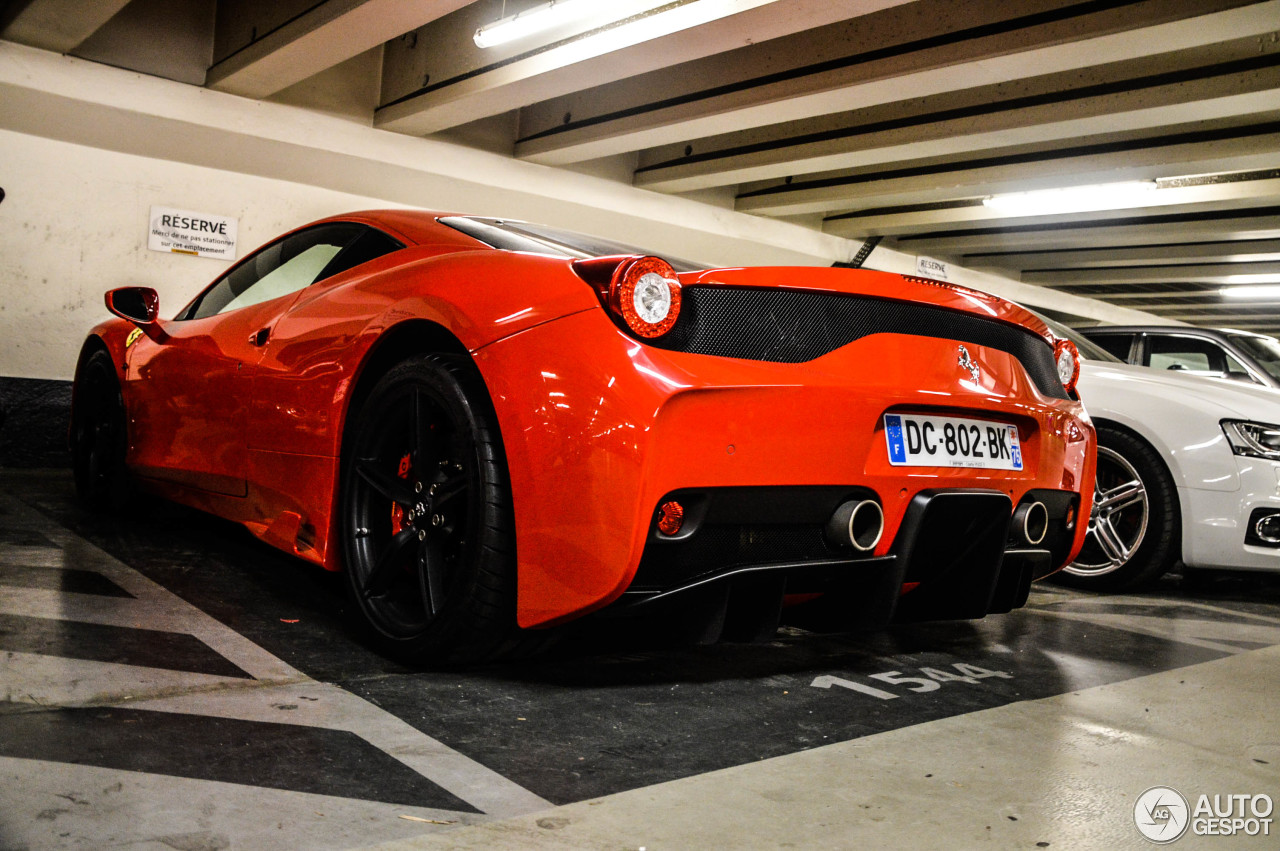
(732, 527)
(789, 326)
(717, 548)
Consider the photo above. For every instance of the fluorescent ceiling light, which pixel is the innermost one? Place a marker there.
(550, 14)
(1073, 199)
(1262, 278)
(1271, 291)
(605, 25)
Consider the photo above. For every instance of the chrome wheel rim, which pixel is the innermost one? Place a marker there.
(1118, 520)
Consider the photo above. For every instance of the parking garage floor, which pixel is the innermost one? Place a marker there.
(169, 682)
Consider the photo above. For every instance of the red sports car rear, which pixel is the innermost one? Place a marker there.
(495, 427)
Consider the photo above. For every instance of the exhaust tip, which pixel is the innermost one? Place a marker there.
(857, 524)
(1032, 520)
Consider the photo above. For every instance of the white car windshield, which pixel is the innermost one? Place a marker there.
(511, 235)
(1265, 350)
(1088, 350)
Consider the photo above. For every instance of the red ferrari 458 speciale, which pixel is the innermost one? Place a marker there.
(493, 426)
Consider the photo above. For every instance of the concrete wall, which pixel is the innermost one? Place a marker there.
(86, 150)
(73, 224)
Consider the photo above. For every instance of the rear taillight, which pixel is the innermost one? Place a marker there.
(1067, 359)
(645, 293)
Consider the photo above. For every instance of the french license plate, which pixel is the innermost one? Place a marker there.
(920, 441)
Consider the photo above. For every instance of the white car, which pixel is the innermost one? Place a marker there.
(1188, 468)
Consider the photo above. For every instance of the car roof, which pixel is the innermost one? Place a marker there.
(1188, 330)
(418, 226)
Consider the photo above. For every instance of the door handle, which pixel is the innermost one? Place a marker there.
(259, 337)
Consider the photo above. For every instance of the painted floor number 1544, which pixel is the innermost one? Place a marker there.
(931, 679)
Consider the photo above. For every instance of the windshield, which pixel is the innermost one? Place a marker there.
(1265, 350)
(540, 239)
(1088, 350)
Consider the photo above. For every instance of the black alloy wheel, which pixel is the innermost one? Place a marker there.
(425, 516)
(99, 436)
(1134, 527)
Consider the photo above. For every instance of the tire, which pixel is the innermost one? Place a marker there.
(425, 518)
(99, 437)
(1135, 527)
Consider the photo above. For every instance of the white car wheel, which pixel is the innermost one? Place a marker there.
(1133, 527)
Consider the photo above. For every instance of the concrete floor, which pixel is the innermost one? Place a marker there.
(168, 682)
(1062, 772)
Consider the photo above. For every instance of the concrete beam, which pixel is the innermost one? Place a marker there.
(1224, 316)
(888, 259)
(58, 25)
(1217, 273)
(89, 104)
(1091, 160)
(956, 242)
(1112, 295)
(107, 108)
(1217, 303)
(1258, 326)
(1171, 200)
(439, 79)
(1135, 95)
(324, 36)
(1238, 251)
(929, 47)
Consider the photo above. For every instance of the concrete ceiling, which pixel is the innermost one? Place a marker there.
(885, 119)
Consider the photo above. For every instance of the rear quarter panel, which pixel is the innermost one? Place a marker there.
(319, 348)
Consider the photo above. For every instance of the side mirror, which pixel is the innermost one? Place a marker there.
(139, 305)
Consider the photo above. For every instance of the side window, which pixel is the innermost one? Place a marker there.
(1237, 370)
(1116, 344)
(1188, 354)
(369, 245)
(290, 264)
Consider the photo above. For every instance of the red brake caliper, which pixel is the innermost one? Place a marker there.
(397, 512)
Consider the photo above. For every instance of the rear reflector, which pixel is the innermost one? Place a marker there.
(671, 519)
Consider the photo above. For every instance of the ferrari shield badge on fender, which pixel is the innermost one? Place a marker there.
(133, 337)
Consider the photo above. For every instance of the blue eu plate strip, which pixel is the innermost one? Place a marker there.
(893, 428)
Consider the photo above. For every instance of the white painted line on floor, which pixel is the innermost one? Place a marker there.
(1209, 634)
(1059, 772)
(60, 681)
(1189, 604)
(82, 806)
(83, 608)
(31, 678)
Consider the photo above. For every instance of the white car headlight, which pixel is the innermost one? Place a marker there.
(1261, 440)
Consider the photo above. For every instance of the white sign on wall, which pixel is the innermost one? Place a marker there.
(198, 234)
(927, 267)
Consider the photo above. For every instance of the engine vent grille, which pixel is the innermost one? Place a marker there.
(791, 326)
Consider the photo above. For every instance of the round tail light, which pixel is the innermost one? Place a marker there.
(645, 292)
(1067, 359)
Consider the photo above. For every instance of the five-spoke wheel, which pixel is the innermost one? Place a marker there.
(1133, 527)
(1118, 521)
(425, 515)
